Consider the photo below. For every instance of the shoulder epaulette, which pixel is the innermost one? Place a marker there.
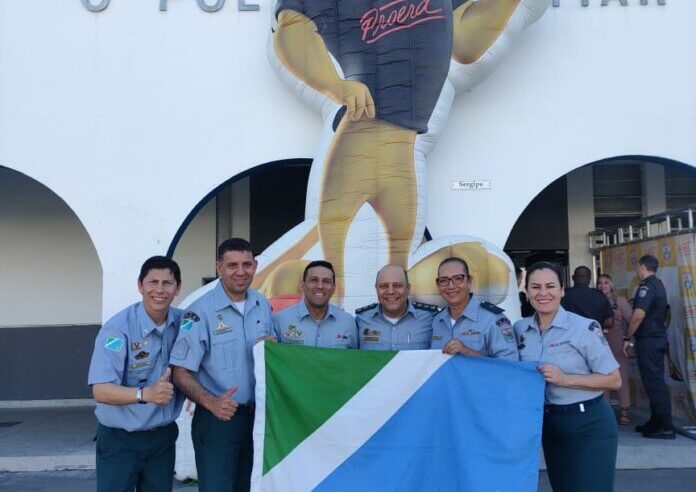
(426, 307)
(489, 306)
(365, 308)
(192, 316)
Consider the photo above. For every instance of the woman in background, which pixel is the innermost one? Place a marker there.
(615, 337)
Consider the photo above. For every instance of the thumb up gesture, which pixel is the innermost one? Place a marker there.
(162, 391)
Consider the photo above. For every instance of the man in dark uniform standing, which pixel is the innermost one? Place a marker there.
(648, 327)
(585, 301)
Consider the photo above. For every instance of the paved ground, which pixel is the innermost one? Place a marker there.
(681, 480)
(51, 449)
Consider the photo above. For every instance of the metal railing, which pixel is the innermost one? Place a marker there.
(667, 223)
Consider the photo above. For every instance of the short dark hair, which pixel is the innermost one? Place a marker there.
(454, 259)
(160, 263)
(318, 263)
(233, 244)
(649, 262)
(544, 265)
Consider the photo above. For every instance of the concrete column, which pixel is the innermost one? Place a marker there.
(241, 208)
(580, 216)
(653, 187)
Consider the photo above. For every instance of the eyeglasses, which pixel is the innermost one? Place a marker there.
(455, 279)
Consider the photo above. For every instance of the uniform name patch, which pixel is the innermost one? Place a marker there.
(114, 343)
(138, 365)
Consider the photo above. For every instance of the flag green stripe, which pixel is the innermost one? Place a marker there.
(296, 384)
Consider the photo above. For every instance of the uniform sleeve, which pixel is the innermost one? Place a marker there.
(355, 341)
(644, 297)
(109, 356)
(502, 343)
(594, 347)
(191, 343)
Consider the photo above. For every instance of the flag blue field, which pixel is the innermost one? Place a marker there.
(350, 420)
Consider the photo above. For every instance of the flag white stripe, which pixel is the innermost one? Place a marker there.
(319, 455)
(260, 417)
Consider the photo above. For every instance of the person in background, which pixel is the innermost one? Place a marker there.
(525, 307)
(622, 316)
(588, 302)
(579, 432)
(648, 326)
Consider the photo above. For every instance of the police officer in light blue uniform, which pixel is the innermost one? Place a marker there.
(395, 323)
(469, 326)
(130, 378)
(213, 366)
(579, 434)
(314, 321)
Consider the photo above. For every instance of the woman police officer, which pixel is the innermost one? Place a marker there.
(579, 433)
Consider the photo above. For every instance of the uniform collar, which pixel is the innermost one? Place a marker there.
(471, 310)
(303, 312)
(222, 300)
(559, 321)
(147, 326)
(409, 309)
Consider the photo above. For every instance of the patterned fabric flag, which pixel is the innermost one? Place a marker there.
(350, 420)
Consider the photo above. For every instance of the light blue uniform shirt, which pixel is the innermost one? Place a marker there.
(216, 341)
(573, 343)
(412, 332)
(481, 327)
(294, 325)
(130, 350)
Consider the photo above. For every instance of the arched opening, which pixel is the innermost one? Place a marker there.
(555, 224)
(51, 292)
(633, 206)
(259, 204)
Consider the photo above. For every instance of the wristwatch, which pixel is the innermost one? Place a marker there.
(627, 339)
(139, 395)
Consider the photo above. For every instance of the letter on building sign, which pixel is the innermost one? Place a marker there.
(245, 7)
(95, 8)
(211, 8)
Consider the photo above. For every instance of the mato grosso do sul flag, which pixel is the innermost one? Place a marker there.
(352, 420)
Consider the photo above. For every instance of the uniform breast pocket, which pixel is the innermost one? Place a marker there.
(342, 341)
(471, 340)
(137, 377)
(227, 353)
(564, 356)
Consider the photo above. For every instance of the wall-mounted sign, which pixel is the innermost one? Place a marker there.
(472, 184)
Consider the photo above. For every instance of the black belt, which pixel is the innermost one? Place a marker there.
(578, 407)
(246, 408)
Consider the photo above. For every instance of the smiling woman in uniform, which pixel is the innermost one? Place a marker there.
(579, 434)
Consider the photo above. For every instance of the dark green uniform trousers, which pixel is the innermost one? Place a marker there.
(224, 450)
(140, 460)
(580, 446)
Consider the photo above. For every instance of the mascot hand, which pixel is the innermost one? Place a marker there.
(357, 99)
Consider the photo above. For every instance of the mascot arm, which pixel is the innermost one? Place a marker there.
(301, 49)
(477, 24)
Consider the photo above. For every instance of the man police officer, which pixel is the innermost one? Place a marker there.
(468, 326)
(213, 366)
(314, 321)
(394, 323)
(130, 378)
(647, 325)
(587, 302)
